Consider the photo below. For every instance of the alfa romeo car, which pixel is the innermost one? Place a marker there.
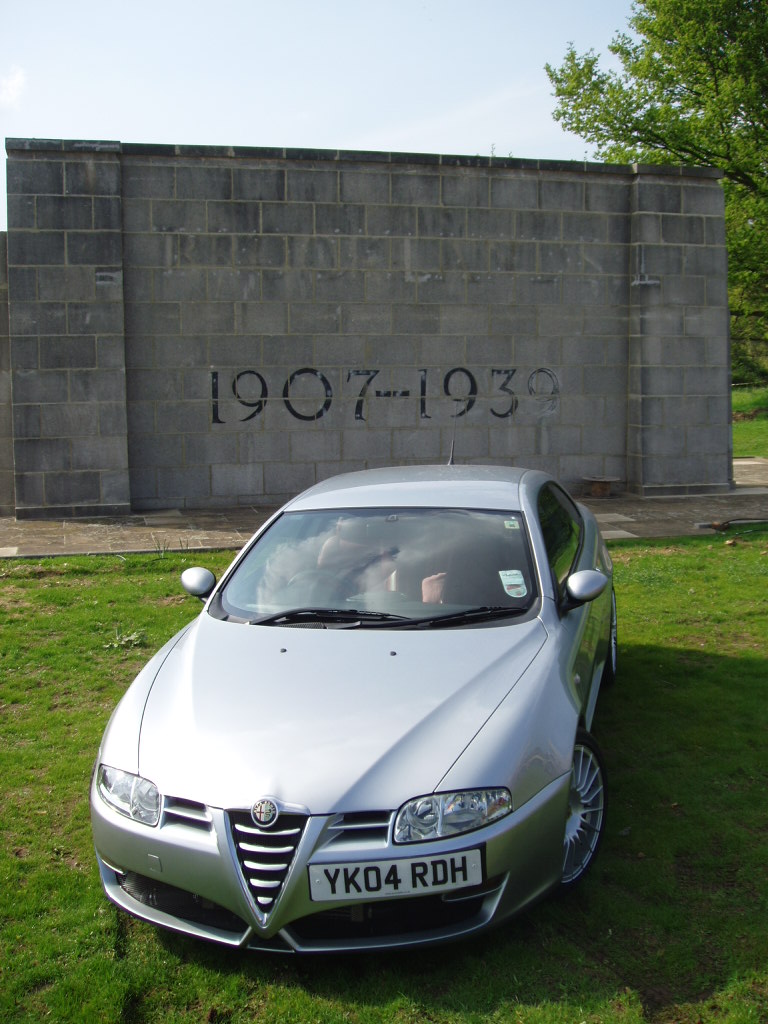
(376, 732)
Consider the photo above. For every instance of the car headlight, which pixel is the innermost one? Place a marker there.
(131, 795)
(448, 814)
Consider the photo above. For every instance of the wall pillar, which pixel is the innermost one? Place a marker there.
(67, 353)
(678, 389)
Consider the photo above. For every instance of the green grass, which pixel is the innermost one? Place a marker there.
(671, 925)
(750, 422)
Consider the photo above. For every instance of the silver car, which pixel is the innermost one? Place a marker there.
(376, 732)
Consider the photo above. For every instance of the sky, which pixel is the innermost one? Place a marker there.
(418, 76)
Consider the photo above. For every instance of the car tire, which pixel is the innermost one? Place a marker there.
(608, 677)
(585, 815)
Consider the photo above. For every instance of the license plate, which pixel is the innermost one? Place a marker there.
(383, 879)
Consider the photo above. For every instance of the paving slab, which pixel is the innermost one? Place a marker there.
(620, 516)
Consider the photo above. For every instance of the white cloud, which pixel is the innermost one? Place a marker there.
(12, 86)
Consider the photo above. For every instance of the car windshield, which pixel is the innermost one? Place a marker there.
(391, 564)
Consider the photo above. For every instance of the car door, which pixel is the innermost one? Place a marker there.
(572, 546)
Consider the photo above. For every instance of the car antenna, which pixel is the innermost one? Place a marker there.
(453, 438)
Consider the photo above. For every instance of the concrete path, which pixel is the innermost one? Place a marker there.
(622, 516)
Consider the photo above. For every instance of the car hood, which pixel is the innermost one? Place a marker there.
(326, 719)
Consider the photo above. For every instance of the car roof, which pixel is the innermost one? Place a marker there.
(486, 487)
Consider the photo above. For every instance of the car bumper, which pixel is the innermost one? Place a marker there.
(184, 875)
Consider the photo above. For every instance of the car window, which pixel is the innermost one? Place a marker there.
(561, 528)
(399, 561)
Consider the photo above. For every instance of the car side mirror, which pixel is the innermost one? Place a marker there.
(198, 582)
(583, 587)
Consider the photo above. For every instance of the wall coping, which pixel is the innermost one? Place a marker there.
(344, 156)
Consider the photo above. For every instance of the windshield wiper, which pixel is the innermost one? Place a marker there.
(485, 613)
(351, 616)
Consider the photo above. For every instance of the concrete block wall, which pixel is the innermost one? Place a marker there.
(6, 413)
(202, 327)
(66, 325)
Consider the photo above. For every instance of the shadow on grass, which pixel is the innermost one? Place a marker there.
(674, 909)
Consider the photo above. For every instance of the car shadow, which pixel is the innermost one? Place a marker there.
(669, 914)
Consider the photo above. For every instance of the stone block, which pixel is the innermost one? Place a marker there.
(150, 451)
(339, 219)
(200, 182)
(35, 248)
(416, 188)
(492, 224)
(102, 453)
(372, 318)
(265, 184)
(707, 200)
(586, 227)
(282, 480)
(42, 455)
(364, 187)
(559, 258)
(340, 286)
(416, 255)
(538, 289)
(513, 256)
(42, 318)
(231, 285)
(384, 286)
(444, 288)
(102, 248)
(96, 385)
(319, 253)
(540, 226)
(171, 215)
(137, 216)
(607, 196)
(515, 193)
(368, 253)
(63, 212)
(312, 186)
(64, 353)
(95, 318)
(148, 180)
(561, 194)
(21, 211)
(235, 218)
(207, 251)
(465, 190)
(40, 386)
(207, 317)
(465, 255)
(92, 177)
(661, 198)
(35, 177)
(437, 222)
(287, 285)
(391, 221)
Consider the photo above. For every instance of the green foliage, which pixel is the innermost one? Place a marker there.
(750, 422)
(671, 926)
(692, 88)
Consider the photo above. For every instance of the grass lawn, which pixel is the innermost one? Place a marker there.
(750, 422)
(671, 925)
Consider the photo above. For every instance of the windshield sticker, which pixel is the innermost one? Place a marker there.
(511, 524)
(513, 582)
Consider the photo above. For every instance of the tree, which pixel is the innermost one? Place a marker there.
(692, 89)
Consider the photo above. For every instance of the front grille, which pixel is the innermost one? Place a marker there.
(265, 854)
(186, 812)
(387, 918)
(187, 906)
(361, 828)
